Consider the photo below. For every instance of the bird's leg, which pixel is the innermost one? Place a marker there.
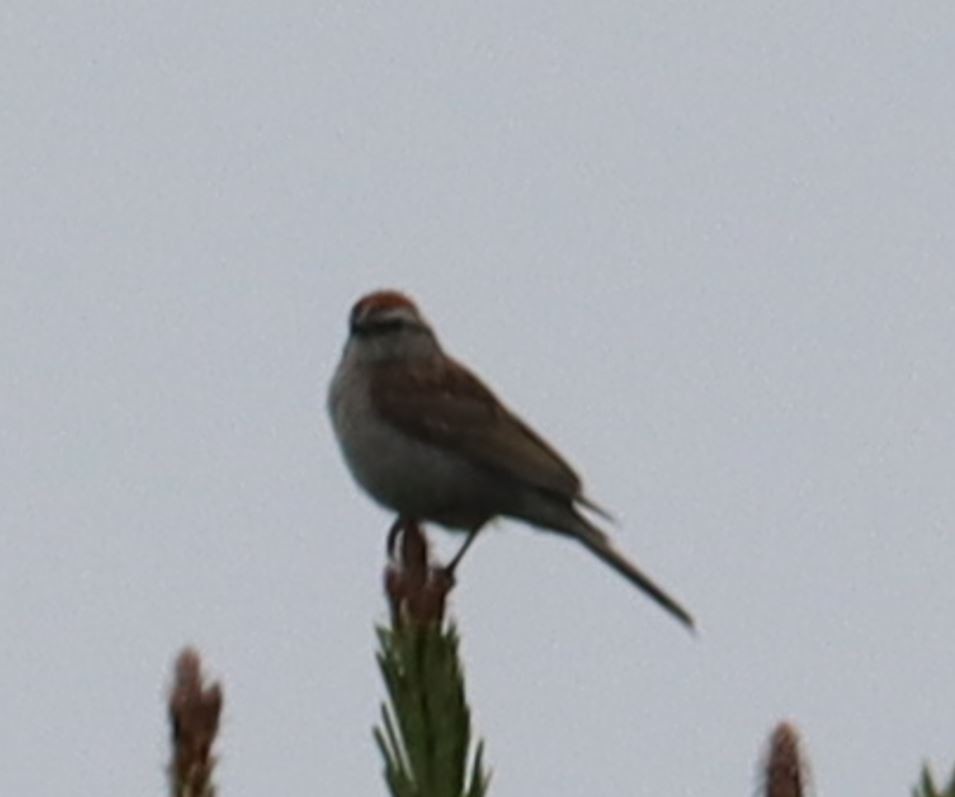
(393, 533)
(452, 565)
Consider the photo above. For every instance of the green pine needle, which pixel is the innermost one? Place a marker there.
(927, 787)
(425, 731)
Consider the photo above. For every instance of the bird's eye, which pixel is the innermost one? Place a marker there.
(370, 327)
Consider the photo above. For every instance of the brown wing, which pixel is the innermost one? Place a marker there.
(449, 407)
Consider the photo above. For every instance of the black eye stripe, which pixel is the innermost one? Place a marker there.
(376, 328)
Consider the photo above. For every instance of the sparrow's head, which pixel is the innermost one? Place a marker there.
(387, 324)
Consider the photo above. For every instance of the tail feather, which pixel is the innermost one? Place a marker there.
(558, 513)
(599, 544)
(595, 508)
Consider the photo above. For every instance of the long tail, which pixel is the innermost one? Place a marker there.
(599, 544)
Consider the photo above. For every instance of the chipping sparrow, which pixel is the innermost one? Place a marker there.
(425, 438)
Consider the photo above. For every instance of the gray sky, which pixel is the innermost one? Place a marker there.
(707, 249)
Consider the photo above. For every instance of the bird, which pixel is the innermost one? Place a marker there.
(427, 439)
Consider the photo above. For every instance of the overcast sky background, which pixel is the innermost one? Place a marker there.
(708, 250)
